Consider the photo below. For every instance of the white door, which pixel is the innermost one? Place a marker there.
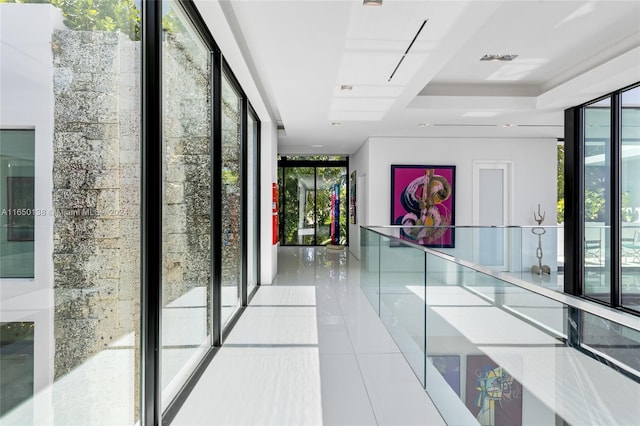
(492, 208)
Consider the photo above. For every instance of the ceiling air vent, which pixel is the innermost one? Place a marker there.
(407, 51)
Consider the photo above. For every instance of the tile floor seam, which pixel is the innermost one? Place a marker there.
(355, 356)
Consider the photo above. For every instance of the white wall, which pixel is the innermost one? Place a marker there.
(26, 85)
(534, 172)
(234, 51)
(359, 162)
(534, 168)
(269, 175)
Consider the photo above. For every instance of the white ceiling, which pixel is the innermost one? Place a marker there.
(303, 50)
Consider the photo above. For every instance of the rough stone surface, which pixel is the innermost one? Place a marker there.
(187, 168)
(96, 193)
(96, 187)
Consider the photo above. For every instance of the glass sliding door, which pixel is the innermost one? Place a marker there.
(630, 198)
(187, 215)
(299, 205)
(232, 203)
(70, 193)
(313, 205)
(597, 199)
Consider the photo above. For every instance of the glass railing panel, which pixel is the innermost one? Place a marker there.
(501, 353)
(630, 266)
(402, 298)
(597, 261)
(611, 343)
(541, 261)
(370, 267)
(531, 253)
(535, 309)
(451, 297)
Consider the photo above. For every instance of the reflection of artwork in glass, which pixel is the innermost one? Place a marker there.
(449, 367)
(494, 397)
(16, 364)
(20, 208)
(422, 200)
(352, 197)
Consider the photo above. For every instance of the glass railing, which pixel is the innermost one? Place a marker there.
(531, 253)
(491, 348)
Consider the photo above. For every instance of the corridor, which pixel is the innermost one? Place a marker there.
(309, 350)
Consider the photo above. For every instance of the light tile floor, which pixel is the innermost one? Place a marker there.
(309, 350)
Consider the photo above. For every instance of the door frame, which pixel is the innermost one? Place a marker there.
(507, 207)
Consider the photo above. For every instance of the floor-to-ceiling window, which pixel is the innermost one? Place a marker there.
(597, 210)
(115, 171)
(313, 205)
(187, 214)
(630, 197)
(232, 203)
(603, 234)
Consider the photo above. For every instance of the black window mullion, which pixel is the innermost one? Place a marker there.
(257, 179)
(244, 191)
(216, 187)
(574, 201)
(151, 214)
(616, 220)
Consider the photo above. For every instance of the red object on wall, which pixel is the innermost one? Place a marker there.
(275, 237)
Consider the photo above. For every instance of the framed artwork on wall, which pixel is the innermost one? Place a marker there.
(352, 197)
(423, 201)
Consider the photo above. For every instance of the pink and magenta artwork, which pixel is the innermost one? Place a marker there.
(423, 202)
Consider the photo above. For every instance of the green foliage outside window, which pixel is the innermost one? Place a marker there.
(97, 15)
(317, 212)
(106, 15)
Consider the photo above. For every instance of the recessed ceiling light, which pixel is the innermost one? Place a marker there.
(346, 87)
(423, 125)
(494, 57)
(372, 2)
(335, 123)
(316, 146)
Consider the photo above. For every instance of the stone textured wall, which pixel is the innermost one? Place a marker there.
(231, 189)
(96, 186)
(96, 193)
(187, 167)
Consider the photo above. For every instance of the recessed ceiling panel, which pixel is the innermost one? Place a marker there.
(356, 115)
(361, 104)
(369, 91)
(408, 68)
(367, 68)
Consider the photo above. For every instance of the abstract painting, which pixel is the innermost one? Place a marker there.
(493, 396)
(423, 201)
(449, 367)
(352, 197)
